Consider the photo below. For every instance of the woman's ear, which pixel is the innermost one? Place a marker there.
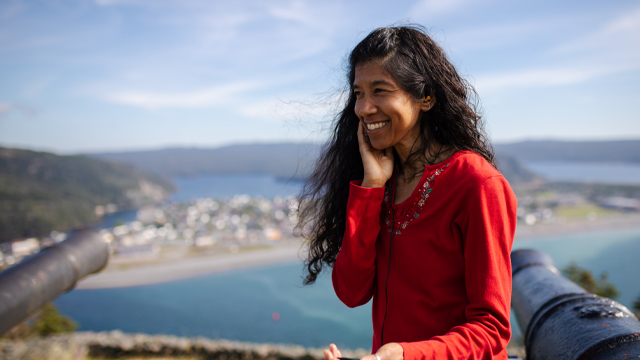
(427, 103)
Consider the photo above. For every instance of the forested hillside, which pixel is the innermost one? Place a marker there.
(40, 192)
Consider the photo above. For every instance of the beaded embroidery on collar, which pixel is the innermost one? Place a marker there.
(418, 202)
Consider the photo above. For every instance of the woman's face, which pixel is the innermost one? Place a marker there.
(389, 113)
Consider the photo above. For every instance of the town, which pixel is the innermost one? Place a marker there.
(200, 226)
(210, 226)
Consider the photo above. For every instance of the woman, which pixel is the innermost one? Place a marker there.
(406, 205)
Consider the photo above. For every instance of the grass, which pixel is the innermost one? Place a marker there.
(583, 211)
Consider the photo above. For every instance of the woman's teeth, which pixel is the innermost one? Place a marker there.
(377, 125)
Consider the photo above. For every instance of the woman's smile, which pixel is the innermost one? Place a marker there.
(377, 125)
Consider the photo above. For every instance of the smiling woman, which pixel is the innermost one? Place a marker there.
(408, 208)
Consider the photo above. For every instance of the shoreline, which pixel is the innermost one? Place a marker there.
(123, 272)
(138, 272)
(577, 227)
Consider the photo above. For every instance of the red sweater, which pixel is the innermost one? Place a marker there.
(449, 286)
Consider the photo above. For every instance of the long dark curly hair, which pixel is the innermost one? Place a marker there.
(421, 68)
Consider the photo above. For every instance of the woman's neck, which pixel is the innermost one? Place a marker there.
(434, 154)
(410, 175)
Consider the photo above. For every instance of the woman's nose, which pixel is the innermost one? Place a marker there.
(366, 107)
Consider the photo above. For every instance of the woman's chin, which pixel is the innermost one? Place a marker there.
(379, 145)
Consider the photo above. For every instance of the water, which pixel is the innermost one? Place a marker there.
(596, 172)
(239, 305)
(118, 217)
(227, 185)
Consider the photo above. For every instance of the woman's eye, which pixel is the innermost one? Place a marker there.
(379, 90)
(357, 94)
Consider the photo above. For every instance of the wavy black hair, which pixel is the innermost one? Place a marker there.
(421, 68)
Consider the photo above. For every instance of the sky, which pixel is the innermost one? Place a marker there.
(120, 75)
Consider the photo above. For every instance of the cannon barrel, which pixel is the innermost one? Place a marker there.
(27, 286)
(561, 320)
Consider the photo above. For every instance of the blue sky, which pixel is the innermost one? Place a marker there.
(114, 75)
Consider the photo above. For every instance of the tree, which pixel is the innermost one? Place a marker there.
(46, 321)
(586, 280)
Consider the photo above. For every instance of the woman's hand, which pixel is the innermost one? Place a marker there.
(333, 353)
(378, 164)
(390, 351)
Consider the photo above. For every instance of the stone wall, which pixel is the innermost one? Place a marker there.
(115, 344)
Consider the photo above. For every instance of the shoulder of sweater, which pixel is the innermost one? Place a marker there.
(474, 169)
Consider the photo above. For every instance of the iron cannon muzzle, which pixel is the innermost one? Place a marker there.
(37, 280)
(561, 320)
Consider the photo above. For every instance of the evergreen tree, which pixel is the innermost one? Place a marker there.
(43, 322)
(636, 306)
(587, 281)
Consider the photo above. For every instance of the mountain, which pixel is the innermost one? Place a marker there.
(587, 151)
(40, 192)
(513, 171)
(285, 160)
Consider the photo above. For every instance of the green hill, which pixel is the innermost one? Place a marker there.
(40, 192)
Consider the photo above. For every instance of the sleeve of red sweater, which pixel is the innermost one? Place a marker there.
(488, 226)
(354, 271)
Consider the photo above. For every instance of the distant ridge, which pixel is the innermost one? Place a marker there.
(583, 151)
(285, 160)
(289, 160)
(40, 192)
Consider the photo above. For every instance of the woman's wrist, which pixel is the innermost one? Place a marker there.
(390, 351)
(370, 183)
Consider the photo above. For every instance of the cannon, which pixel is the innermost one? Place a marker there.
(561, 320)
(37, 280)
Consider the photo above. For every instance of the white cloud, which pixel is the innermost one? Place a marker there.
(294, 108)
(616, 43)
(206, 97)
(537, 78)
(611, 49)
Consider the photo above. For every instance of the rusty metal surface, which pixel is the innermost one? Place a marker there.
(560, 320)
(37, 280)
(533, 287)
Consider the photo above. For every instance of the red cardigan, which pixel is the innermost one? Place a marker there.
(449, 287)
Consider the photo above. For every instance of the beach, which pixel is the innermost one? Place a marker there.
(578, 226)
(127, 272)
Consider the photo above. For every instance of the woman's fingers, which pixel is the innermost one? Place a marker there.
(362, 140)
(333, 353)
(328, 355)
